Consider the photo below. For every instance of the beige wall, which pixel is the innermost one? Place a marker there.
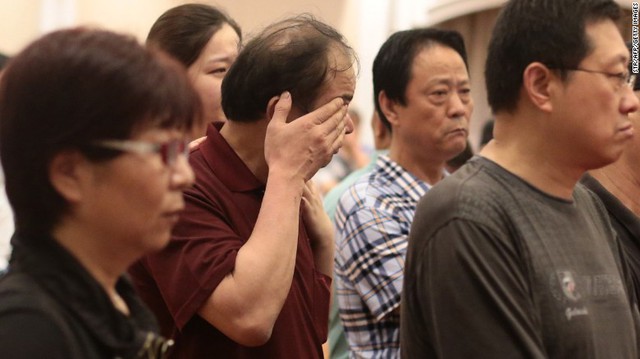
(21, 21)
(19, 24)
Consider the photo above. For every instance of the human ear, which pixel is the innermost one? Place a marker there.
(388, 107)
(271, 108)
(538, 82)
(67, 172)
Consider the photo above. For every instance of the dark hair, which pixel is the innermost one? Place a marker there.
(185, 30)
(487, 132)
(393, 64)
(461, 158)
(3, 60)
(68, 90)
(289, 55)
(551, 32)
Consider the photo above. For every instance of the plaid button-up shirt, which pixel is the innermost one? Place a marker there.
(373, 221)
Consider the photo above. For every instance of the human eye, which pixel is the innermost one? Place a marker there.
(217, 71)
(464, 93)
(172, 149)
(621, 77)
(439, 95)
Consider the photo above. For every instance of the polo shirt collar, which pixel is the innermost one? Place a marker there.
(226, 164)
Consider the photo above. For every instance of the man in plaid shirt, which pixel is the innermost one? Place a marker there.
(422, 95)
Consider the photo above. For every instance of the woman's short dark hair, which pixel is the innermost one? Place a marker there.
(551, 32)
(185, 30)
(291, 55)
(68, 90)
(394, 62)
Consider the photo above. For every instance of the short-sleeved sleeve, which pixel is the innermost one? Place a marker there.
(465, 279)
(202, 251)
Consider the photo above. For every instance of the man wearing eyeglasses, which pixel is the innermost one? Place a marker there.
(510, 257)
(618, 186)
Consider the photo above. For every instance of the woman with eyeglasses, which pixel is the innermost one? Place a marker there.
(93, 143)
(206, 41)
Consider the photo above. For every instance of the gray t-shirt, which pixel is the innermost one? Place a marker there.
(498, 269)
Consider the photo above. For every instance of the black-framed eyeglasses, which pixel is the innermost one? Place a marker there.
(169, 150)
(622, 79)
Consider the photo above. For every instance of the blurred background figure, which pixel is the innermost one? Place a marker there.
(93, 144)
(6, 216)
(3, 61)
(352, 156)
(206, 41)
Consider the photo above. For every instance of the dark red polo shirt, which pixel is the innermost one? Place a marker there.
(221, 211)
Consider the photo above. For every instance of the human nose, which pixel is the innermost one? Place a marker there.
(457, 106)
(630, 102)
(182, 176)
(349, 125)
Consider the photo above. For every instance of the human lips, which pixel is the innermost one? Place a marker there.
(627, 129)
(173, 215)
(459, 131)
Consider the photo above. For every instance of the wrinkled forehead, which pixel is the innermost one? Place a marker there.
(438, 61)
